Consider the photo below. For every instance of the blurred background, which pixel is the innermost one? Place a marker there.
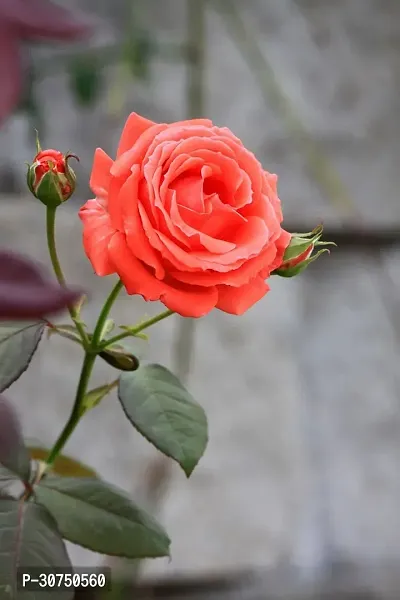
(298, 494)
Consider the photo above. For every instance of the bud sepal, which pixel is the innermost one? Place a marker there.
(300, 252)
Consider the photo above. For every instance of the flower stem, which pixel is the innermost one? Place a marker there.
(135, 330)
(51, 243)
(86, 371)
(98, 330)
(74, 418)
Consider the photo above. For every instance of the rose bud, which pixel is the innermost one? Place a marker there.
(50, 178)
(299, 253)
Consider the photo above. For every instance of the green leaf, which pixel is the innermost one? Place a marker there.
(119, 358)
(18, 343)
(63, 465)
(85, 79)
(98, 516)
(13, 453)
(164, 412)
(29, 538)
(95, 396)
(7, 478)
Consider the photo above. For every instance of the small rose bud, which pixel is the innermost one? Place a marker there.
(50, 178)
(299, 254)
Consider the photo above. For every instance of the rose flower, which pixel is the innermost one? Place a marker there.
(186, 215)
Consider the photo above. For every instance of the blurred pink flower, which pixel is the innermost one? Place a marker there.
(29, 20)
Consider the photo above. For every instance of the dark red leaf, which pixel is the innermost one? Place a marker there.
(25, 293)
(36, 19)
(31, 20)
(10, 71)
(13, 453)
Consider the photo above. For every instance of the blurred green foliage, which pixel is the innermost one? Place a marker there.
(85, 79)
(139, 50)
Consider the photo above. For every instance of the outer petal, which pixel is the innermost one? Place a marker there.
(237, 301)
(253, 267)
(188, 301)
(133, 227)
(97, 234)
(134, 127)
(193, 122)
(281, 245)
(100, 176)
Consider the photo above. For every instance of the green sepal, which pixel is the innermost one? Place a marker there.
(292, 271)
(30, 178)
(48, 190)
(301, 242)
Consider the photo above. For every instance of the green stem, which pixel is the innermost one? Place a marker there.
(86, 371)
(51, 243)
(135, 330)
(98, 330)
(75, 416)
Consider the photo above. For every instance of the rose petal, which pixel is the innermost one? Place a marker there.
(188, 301)
(100, 176)
(236, 301)
(264, 262)
(223, 175)
(207, 242)
(134, 127)
(281, 244)
(224, 222)
(133, 226)
(189, 191)
(168, 229)
(216, 145)
(263, 209)
(97, 234)
(153, 175)
(270, 191)
(25, 293)
(122, 167)
(178, 133)
(250, 240)
(192, 123)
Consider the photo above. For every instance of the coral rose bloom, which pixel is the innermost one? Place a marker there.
(185, 215)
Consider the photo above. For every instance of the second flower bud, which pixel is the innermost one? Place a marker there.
(50, 178)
